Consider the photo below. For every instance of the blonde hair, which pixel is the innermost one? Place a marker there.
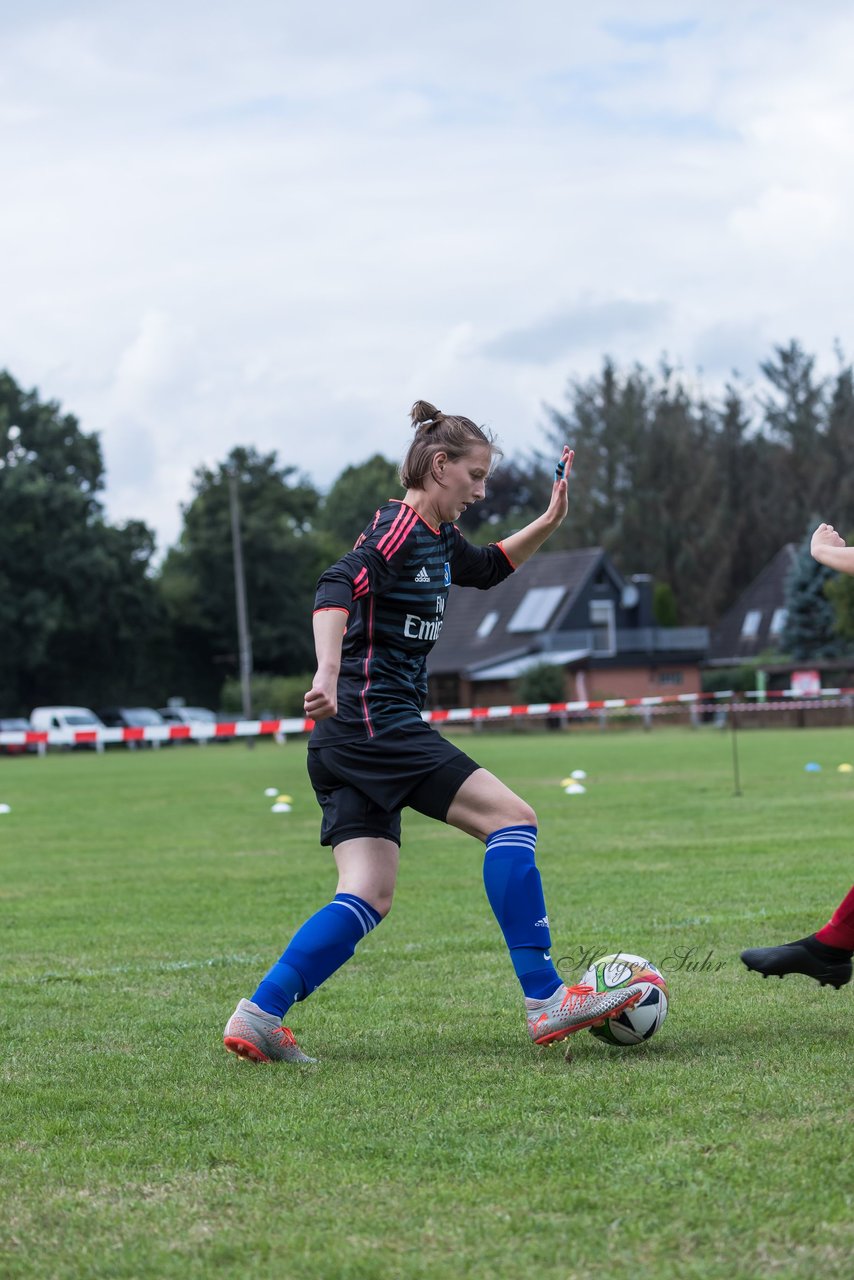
(437, 432)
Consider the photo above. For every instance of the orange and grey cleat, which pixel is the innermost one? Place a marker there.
(259, 1037)
(574, 1008)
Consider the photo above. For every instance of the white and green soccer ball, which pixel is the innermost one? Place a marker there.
(633, 1026)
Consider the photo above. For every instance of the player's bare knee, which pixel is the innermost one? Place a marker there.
(526, 816)
(517, 814)
(377, 897)
(381, 901)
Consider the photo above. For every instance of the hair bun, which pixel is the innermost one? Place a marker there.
(424, 414)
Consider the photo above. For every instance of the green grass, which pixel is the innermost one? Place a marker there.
(143, 892)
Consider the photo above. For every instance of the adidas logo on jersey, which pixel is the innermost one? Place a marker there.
(422, 575)
(542, 924)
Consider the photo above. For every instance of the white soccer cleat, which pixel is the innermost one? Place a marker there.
(259, 1037)
(574, 1008)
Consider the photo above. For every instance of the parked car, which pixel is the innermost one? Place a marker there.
(133, 718)
(69, 720)
(15, 724)
(190, 716)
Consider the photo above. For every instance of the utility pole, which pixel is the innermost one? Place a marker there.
(243, 638)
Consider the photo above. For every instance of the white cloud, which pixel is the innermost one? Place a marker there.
(280, 225)
(591, 324)
(161, 361)
(788, 221)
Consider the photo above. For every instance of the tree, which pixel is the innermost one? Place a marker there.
(810, 631)
(743, 531)
(78, 607)
(283, 556)
(664, 609)
(673, 496)
(794, 415)
(355, 496)
(699, 494)
(111, 648)
(643, 480)
(837, 471)
(605, 419)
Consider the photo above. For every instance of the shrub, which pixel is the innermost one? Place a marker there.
(543, 683)
(273, 697)
(740, 679)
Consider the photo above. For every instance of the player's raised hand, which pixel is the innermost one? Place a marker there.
(825, 536)
(559, 504)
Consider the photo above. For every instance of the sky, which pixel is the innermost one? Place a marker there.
(278, 225)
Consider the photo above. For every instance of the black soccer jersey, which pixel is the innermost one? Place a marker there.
(394, 585)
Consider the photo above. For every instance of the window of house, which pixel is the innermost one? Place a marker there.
(536, 608)
(751, 623)
(602, 626)
(671, 677)
(487, 622)
(778, 622)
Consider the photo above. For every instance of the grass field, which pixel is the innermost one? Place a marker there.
(143, 892)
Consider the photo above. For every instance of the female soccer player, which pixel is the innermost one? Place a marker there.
(824, 955)
(378, 612)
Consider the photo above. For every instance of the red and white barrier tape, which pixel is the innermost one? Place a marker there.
(207, 732)
(203, 731)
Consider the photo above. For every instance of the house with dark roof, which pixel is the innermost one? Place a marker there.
(753, 628)
(569, 609)
(754, 624)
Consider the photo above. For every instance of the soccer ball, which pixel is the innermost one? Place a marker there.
(610, 973)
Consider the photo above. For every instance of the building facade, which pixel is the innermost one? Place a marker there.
(566, 609)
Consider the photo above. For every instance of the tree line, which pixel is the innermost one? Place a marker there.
(698, 491)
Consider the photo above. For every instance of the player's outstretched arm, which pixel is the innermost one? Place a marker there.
(321, 701)
(520, 546)
(829, 548)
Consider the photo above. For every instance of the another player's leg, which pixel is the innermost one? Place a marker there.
(825, 955)
(484, 807)
(367, 871)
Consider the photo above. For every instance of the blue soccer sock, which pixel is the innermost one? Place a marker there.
(515, 893)
(325, 942)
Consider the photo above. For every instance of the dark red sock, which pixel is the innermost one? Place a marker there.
(839, 931)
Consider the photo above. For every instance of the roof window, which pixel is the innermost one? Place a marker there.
(536, 608)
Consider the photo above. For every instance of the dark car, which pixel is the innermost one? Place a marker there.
(15, 724)
(133, 718)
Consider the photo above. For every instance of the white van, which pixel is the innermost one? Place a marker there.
(65, 721)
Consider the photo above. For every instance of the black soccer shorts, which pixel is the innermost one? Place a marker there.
(363, 786)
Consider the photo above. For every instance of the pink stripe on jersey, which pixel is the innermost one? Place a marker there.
(361, 585)
(401, 525)
(402, 536)
(369, 653)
